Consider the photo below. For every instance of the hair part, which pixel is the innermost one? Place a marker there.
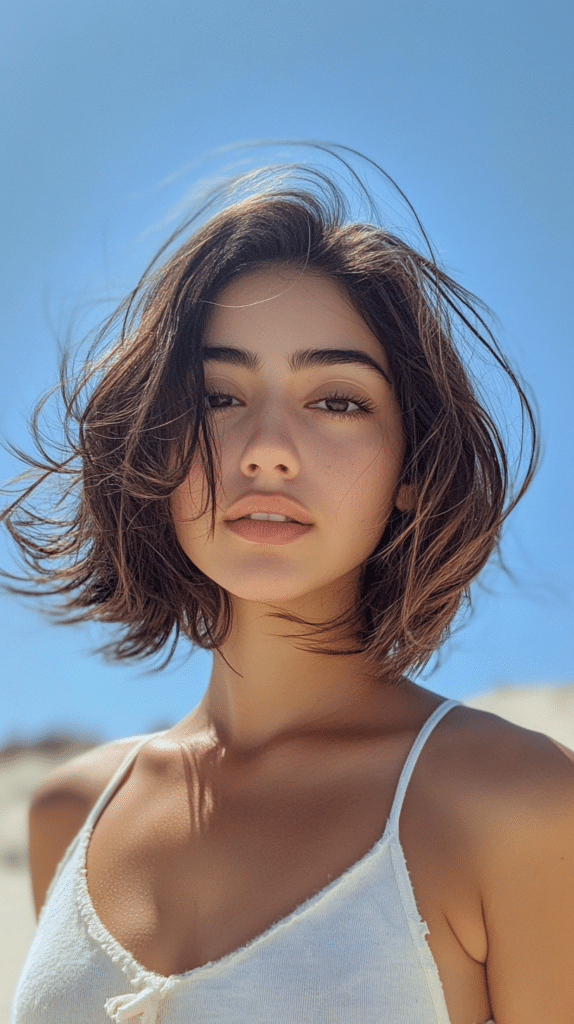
(135, 419)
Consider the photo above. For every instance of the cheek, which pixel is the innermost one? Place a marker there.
(190, 509)
(367, 488)
(184, 506)
(189, 497)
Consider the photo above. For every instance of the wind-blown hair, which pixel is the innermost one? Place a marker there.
(134, 419)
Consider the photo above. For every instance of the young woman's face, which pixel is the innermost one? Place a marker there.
(276, 433)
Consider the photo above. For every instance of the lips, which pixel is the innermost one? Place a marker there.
(272, 504)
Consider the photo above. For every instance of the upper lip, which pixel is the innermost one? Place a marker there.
(276, 504)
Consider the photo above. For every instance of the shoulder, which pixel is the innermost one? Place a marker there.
(504, 793)
(500, 759)
(495, 770)
(489, 782)
(61, 804)
(83, 778)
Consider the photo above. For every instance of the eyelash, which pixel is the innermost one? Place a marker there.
(365, 406)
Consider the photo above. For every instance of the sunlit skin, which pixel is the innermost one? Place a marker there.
(276, 434)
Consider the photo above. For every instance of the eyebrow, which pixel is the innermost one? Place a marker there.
(304, 359)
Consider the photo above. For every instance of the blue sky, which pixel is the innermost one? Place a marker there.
(106, 107)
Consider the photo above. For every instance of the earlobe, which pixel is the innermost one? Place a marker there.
(406, 497)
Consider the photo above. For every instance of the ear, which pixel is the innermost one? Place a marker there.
(406, 497)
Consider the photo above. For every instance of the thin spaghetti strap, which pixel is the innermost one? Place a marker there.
(117, 777)
(412, 758)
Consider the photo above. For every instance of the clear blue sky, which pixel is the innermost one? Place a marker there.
(468, 106)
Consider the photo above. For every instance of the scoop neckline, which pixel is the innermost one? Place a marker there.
(128, 963)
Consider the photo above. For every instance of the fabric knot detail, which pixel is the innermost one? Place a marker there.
(121, 1008)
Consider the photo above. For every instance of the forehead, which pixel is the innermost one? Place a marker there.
(285, 306)
(268, 281)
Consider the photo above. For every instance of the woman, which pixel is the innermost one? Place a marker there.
(284, 430)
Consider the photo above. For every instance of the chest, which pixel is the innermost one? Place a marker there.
(184, 874)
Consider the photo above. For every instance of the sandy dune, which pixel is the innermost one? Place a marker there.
(547, 709)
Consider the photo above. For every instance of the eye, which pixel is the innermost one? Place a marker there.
(217, 394)
(364, 406)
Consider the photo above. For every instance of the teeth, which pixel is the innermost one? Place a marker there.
(268, 515)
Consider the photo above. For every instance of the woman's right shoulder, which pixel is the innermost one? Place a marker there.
(85, 776)
(61, 804)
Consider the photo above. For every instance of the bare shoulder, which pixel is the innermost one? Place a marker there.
(61, 804)
(488, 768)
(510, 791)
(502, 759)
(86, 776)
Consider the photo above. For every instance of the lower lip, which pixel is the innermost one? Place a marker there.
(265, 531)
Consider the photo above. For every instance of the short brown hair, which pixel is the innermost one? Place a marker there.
(135, 417)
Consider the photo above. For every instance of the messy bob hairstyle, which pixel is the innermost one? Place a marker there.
(135, 418)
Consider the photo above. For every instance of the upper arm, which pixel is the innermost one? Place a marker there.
(55, 817)
(528, 895)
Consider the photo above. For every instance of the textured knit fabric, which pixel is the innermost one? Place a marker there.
(354, 953)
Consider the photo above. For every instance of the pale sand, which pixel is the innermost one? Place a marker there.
(546, 709)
